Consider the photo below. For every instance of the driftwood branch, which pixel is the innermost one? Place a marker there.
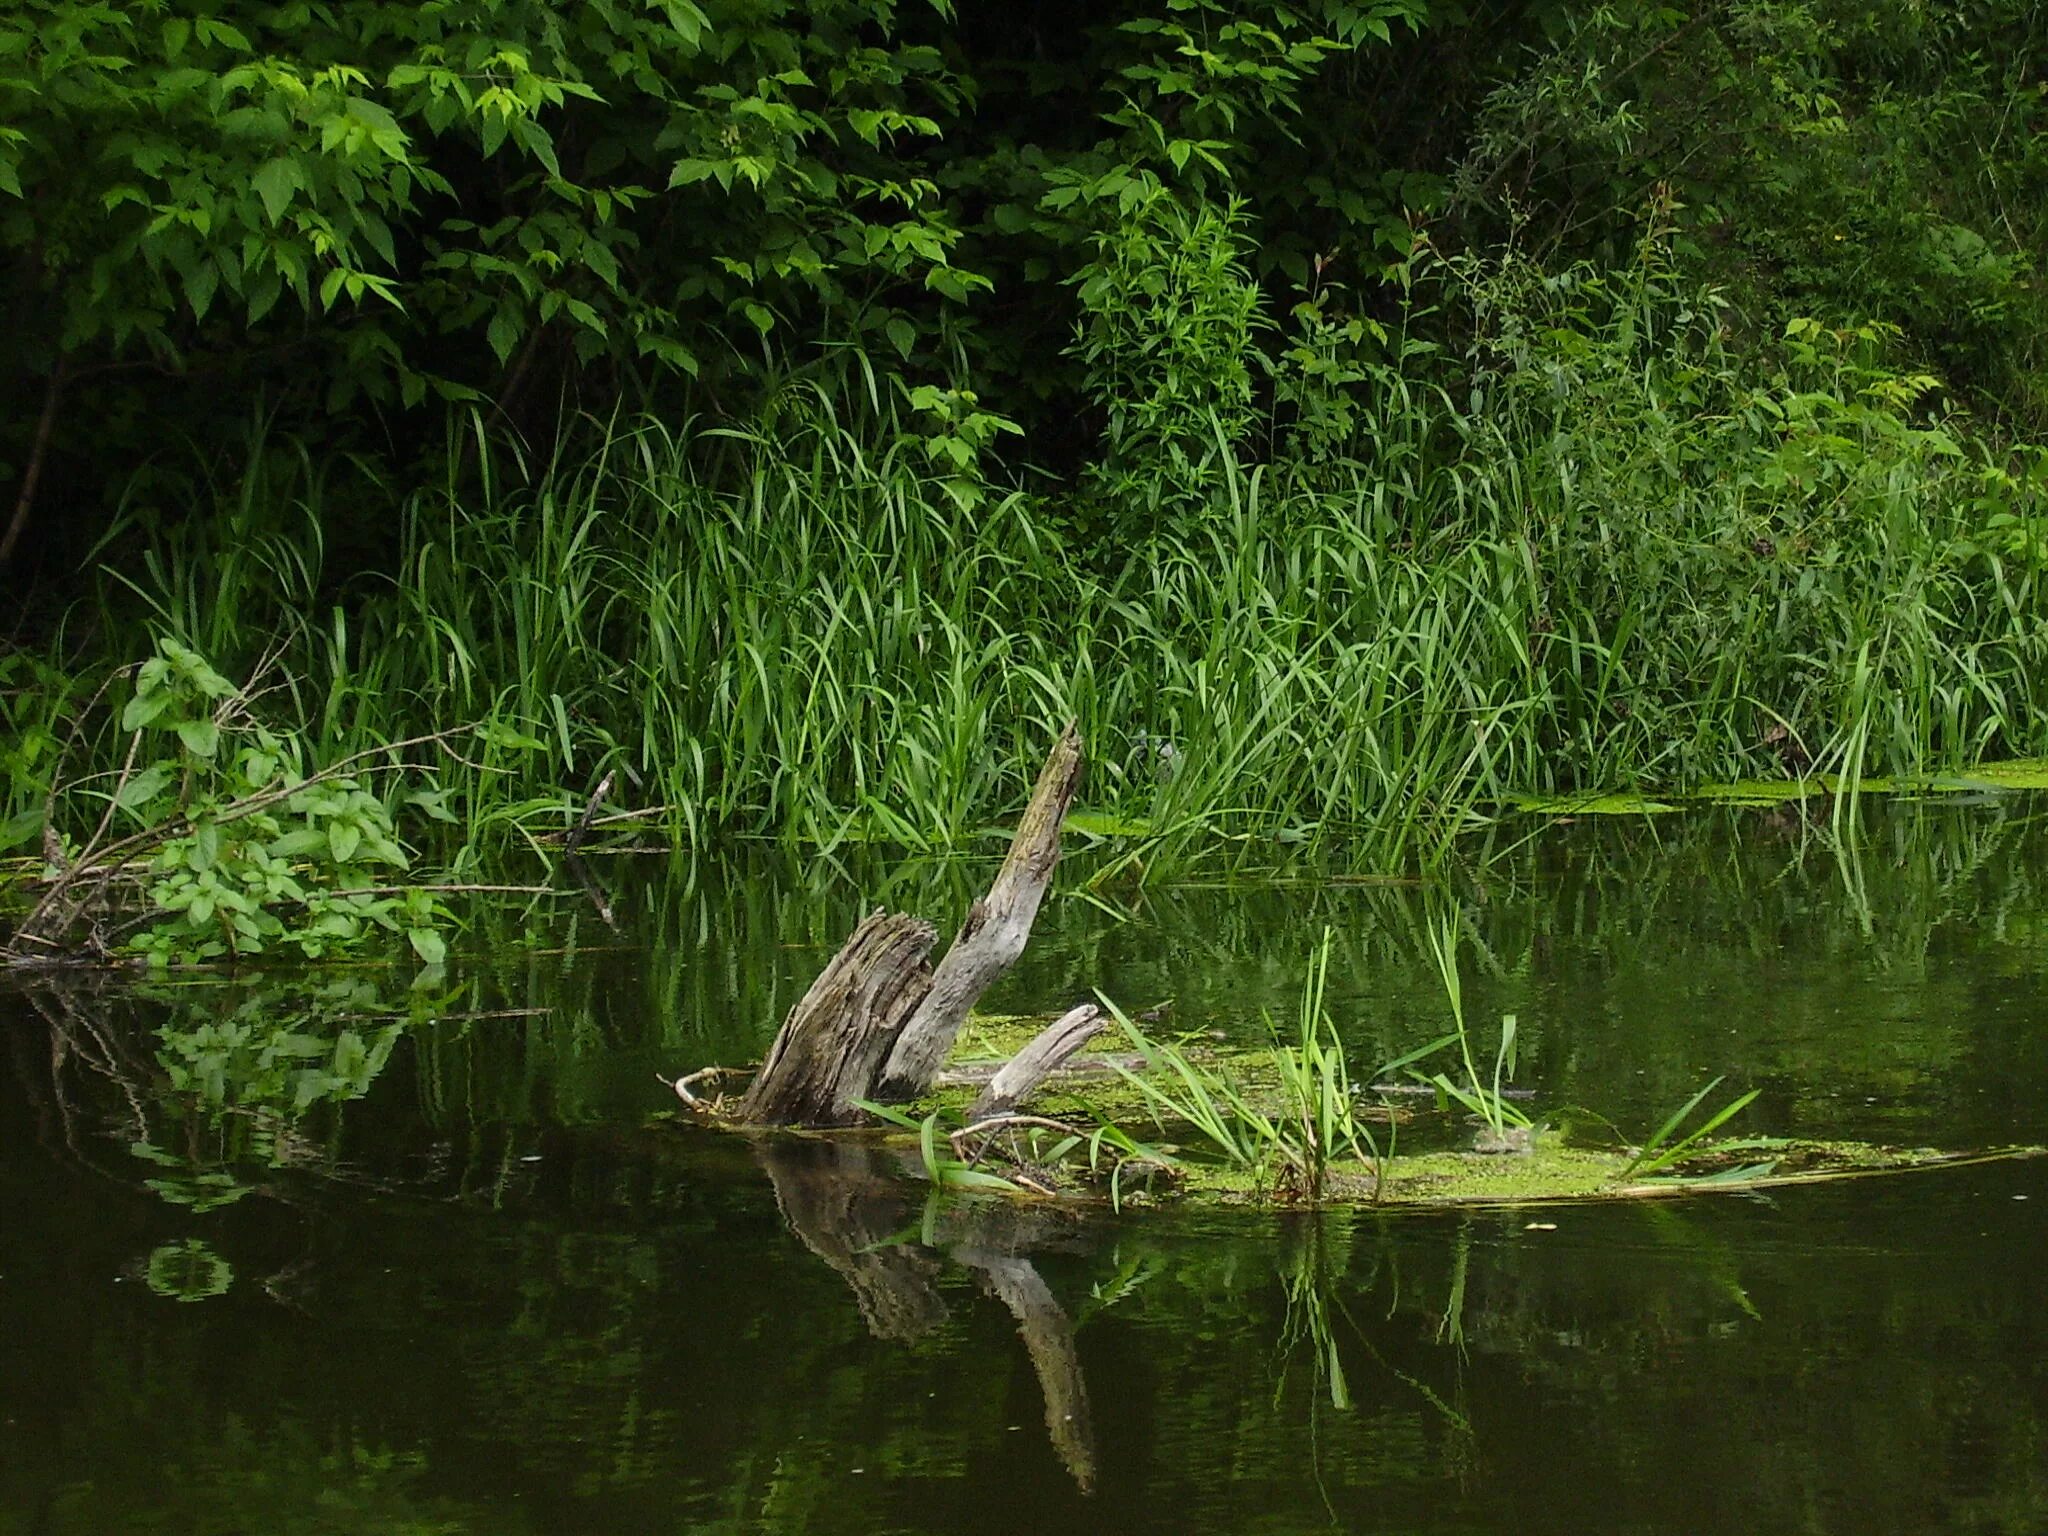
(1020, 1077)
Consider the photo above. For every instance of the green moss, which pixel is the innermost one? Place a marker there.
(995, 1036)
(1553, 1171)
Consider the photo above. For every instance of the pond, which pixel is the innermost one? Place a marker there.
(374, 1253)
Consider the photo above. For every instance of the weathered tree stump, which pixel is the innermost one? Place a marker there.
(878, 1022)
(838, 1037)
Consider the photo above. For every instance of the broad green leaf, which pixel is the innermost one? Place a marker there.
(275, 182)
(144, 786)
(201, 737)
(296, 845)
(143, 709)
(343, 838)
(20, 829)
(503, 334)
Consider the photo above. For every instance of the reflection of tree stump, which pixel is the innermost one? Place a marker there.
(879, 1021)
(844, 1201)
(1048, 1337)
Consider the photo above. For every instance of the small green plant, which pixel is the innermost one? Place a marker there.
(1317, 1100)
(1507, 1128)
(942, 1165)
(1289, 1143)
(1660, 1152)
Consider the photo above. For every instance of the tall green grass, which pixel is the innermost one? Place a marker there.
(1611, 557)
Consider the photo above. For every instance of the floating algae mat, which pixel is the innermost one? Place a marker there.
(1552, 1174)
(1985, 778)
(1100, 1086)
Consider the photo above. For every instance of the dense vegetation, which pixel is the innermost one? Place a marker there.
(1352, 411)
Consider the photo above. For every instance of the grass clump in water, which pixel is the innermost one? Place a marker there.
(1286, 1135)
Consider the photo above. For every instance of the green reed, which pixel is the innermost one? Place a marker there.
(1600, 566)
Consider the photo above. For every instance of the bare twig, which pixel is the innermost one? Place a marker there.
(681, 1085)
(581, 830)
(457, 890)
(1007, 1123)
(39, 448)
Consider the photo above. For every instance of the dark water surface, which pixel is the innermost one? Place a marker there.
(346, 1255)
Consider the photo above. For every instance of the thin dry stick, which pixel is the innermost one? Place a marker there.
(458, 890)
(443, 1018)
(38, 450)
(994, 1123)
(645, 813)
(581, 830)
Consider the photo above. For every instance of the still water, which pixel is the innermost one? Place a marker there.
(366, 1253)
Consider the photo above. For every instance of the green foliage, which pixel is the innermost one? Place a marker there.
(1317, 1098)
(1165, 343)
(263, 857)
(1817, 156)
(1619, 560)
(1652, 481)
(247, 852)
(527, 178)
(35, 697)
(942, 1164)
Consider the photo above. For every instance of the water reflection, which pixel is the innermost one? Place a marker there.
(856, 1205)
(357, 1254)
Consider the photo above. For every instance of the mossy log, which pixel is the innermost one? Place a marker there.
(879, 1021)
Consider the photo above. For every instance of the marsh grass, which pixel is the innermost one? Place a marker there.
(1660, 1152)
(1506, 1125)
(1610, 554)
(1286, 1136)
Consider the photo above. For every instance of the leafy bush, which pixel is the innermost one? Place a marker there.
(246, 853)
